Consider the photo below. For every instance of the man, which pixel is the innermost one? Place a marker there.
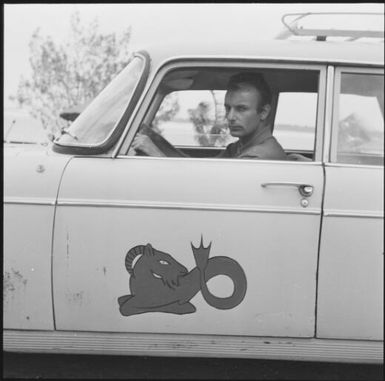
(247, 104)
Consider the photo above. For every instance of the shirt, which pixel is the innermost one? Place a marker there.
(261, 146)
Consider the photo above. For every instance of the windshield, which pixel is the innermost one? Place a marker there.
(97, 122)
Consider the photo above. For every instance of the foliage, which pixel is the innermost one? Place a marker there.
(209, 131)
(70, 74)
(167, 110)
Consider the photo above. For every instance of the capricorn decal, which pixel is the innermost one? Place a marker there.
(159, 283)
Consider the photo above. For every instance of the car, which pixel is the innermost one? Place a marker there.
(110, 251)
(21, 128)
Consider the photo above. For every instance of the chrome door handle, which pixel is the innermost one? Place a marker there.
(306, 190)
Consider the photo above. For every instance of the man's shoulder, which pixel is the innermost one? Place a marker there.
(231, 150)
(269, 149)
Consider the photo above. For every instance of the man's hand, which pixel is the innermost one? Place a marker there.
(143, 143)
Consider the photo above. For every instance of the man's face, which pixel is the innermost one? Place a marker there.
(242, 111)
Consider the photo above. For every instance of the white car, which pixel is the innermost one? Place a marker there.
(20, 128)
(107, 251)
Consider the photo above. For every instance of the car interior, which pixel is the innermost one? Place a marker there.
(214, 79)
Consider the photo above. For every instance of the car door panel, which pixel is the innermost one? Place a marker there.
(28, 225)
(108, 206)
(351, 280)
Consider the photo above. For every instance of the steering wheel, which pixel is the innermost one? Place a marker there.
(164, 145)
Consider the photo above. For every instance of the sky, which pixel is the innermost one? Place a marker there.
(149, 22)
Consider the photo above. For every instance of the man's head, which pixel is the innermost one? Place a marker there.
(247, 104)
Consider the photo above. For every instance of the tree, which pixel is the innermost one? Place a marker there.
(167, 110)
(209, 131)
(70, 74)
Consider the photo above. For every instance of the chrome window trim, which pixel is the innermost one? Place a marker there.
(328, 113)
(336, 112)
(184, 206)
(29, 201)
(273, 59)
(334, 127)
(103, 142)
(224, 62)
(221, 160)
(320, 117)
(131, 120)
(347, 165)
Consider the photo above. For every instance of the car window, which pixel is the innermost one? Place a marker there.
(295, 121)
(96, 123)
(188, 109)
(193, 118)
(360, 119)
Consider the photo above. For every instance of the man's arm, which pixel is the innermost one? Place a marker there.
(142, 143)
(152, 144)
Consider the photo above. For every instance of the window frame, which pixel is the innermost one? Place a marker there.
(229, 63)
(113, 137)
(338, 72)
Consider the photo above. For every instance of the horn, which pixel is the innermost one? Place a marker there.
(148, 250)
(131, 255)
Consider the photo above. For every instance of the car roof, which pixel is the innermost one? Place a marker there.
(349, 53)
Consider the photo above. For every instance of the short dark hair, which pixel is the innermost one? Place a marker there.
(253, 79)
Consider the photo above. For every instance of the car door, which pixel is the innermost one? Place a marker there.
(124, 223)
(350, 295)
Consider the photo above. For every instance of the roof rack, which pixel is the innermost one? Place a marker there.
(295, 27)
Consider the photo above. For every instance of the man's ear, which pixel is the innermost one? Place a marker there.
(265, 111)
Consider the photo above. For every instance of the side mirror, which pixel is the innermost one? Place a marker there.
(69, 115)
(72, 113)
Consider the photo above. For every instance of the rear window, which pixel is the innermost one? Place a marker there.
(360, 119)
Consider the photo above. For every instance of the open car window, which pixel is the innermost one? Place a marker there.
(295, 121)
(193, 118)
(188, 109)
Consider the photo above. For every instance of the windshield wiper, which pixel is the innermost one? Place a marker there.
(18, 142)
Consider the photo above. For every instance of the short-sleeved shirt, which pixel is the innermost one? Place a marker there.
(261, 146)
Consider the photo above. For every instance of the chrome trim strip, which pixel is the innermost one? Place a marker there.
(352, 213)
(320, 115)
(29, 201)
(328, 113)
(274, 60)
(166, 344)
(222, 160)
(184, 206)
(366, 166)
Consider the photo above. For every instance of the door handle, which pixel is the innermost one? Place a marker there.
(305, 190)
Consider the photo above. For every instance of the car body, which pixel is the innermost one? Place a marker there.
(110, 252)
(21, 128)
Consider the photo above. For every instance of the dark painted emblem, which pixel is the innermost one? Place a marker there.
(159, 283)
